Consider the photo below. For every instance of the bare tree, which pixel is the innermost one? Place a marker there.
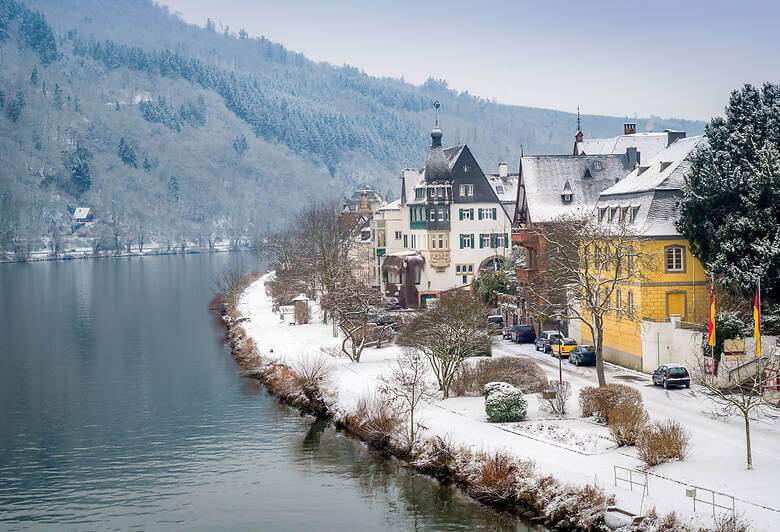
(454, 329)
(230, 283)
(583, 265)
(410, 382)
(351, 304)
(740, 390)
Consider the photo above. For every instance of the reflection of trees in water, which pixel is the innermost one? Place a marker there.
(429, 503)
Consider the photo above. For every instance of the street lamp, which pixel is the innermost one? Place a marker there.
(560, 353)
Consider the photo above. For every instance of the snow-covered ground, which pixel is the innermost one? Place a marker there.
(573, 449)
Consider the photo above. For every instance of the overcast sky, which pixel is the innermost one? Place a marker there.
(675, 58)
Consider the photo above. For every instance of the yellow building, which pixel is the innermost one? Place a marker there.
(676, 285)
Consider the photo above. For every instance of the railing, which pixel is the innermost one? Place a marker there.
(635, 478)
(693, 326)
(710, 499)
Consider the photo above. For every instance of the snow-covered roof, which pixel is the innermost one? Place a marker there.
(665, 170)
(392, 206)
(81, 212)
(545, 177)
(652, 191)
(506, 191)
(647, 144)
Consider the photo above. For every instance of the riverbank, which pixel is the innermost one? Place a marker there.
(563, 487)
(85, 253)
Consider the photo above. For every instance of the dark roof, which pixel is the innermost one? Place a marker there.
(437, 167)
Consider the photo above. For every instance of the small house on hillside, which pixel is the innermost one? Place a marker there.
(82, 215)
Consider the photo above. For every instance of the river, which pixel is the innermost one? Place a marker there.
(121, 408)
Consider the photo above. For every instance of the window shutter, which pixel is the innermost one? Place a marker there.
(472, 241)
(481, 241)
(461, 214)
(471, 212)
(506, 240)
(494, 213)
(480, 214)
(461, 241)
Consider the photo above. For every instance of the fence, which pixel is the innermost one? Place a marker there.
(709, 499)
(638, 478)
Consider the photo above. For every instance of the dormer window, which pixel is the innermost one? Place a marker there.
(632, 212)
(467, 189)
(499, 189)
(566, 193)
(665, 165)
(602, 213)
(597, 165)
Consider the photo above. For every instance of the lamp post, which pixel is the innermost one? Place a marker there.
(560, 353)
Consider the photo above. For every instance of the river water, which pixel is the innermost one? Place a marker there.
(121, 408)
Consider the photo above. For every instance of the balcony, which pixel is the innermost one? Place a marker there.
(522, 236)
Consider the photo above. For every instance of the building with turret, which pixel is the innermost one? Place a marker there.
(450, 222)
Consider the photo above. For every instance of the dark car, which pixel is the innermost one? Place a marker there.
(545, 340)
(671, 375)
(523, 334)
(392, 303)
(496, 321)
(582, 355)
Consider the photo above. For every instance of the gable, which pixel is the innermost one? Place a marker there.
(466, 170)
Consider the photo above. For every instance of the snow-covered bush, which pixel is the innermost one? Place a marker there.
(504, 402)
(314, 375)
(626, 423)
(472, 376)
(731, 523)
(663, 441)
(599, 401)
(378, 420)
(494, 478)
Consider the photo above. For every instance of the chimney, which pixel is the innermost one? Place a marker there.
(502, 169)
(629, 128)
(673, 136)
(632, 157)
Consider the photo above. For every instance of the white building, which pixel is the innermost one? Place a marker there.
(449, 224)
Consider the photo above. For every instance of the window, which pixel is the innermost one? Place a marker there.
(499, 241)
(466, 214)
(466, 169)
(419, 193)
(597, 165)
(607, 257)
(467, 190)
(499, 189)
(619, 301)
(486, 214)
(457, 268)
(414, 242)
(398, 235)
(484, 241)
(406, 243)
(441, 215)
(632, 212)
(433, 214)
(466, 241)
(631, 304)
(417, 275)
(602, 213)
(596, 255)
(623, 214)
(675, 259)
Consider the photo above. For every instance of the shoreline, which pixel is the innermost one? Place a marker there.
(533, 497)
(86, 254)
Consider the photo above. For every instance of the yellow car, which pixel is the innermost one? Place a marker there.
(566, 348)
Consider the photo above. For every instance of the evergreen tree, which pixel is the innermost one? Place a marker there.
(2, 99)
(80, 175)
(16, 106)
(730, 210)
(126, 153)
(57, 96)
(34, 77)
(173, 187)
(116, 107)
(43, 88)
(146, 166)
(240, 145)
(77, 104)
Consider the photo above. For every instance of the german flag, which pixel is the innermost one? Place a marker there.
(711, 332)
(757, 325)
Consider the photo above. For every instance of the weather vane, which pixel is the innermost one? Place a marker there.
(436, 106)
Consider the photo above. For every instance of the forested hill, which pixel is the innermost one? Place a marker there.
(175, 132)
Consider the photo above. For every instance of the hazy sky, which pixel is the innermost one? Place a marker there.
(669, 58)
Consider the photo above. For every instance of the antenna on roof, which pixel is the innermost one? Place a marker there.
(436, 106)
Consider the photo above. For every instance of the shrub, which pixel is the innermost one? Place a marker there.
(626, 423)
(495, 478)
(731, 523)
(556, 405)
(378, 420)
(313, 376)
(504, 402)
(525, 374)
(599, 401)
(663, 441)
(437, 457)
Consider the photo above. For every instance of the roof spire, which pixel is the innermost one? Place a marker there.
(436, 106)
(578, 119)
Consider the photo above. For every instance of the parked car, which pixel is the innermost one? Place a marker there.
(392, 303)
(671, 375)
(563, 346)
(496, 321)
(523, 334)
(544, 340)
(507, 333)
(582, 354)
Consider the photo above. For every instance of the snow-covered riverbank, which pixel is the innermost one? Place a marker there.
(572, 450)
